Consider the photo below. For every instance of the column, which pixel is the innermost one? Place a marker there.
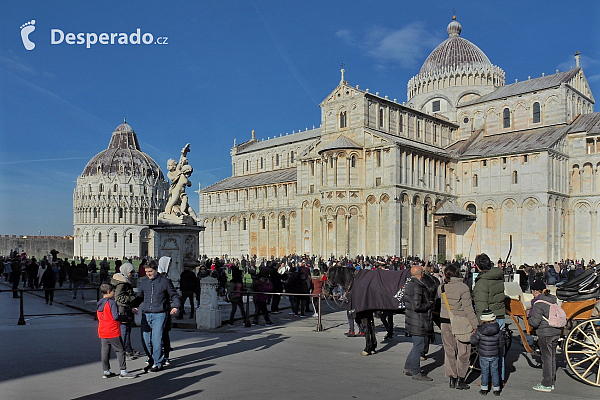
(347, 220)
(594, 234)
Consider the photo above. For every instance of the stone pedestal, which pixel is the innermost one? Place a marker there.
(208, 313)
(178, 238)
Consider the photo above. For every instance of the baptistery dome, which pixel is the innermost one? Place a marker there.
(119, 194)
(123, 156)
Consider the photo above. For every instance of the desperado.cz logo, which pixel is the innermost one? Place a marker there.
(57, 36)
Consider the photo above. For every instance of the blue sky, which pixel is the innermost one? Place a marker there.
(229, 67)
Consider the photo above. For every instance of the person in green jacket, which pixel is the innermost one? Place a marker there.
(488, 293)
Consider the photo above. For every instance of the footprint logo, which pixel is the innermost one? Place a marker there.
(26, 29)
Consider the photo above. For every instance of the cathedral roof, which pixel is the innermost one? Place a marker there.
(123, 156)
(340, 143)
(280, 141)
(530, 85)
(454, 53)
(589, 123)
(510, 143)
(260, 179)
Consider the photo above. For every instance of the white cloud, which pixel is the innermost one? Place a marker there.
(16, 63)
(407, 46)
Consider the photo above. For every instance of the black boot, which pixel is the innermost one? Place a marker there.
(452, 382)
(461, 385)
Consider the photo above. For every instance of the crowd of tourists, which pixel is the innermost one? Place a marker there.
(467, 305)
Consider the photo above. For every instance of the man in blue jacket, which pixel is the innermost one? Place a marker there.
(155, 294)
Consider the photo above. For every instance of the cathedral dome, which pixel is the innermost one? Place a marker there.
(455, 53)
(123, 156)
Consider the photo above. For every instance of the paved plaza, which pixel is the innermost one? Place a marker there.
(58, 357)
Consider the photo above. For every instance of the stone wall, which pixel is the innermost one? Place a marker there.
(37, 246)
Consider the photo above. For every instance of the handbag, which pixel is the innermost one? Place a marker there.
(461, 326)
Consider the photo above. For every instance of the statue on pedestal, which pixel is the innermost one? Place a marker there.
(178, 203)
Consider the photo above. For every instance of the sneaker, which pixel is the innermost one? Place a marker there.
(496, 393)
(126, 375)
(231, 325)
(107, 374)
(421, 377)
(156, 368)
(364, 353)
(269, 323)
(541, 388)
(408, 372)
(350, 334)
(423, 358)
(292, 313)
(167, 362)
(483, 392)
(315, 314)
(303, 316)
(362, 334)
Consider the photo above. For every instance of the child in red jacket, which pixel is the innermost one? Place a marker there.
(109, 331)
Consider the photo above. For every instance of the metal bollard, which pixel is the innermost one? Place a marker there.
(22, 316)
(247, 322)
(319, 324)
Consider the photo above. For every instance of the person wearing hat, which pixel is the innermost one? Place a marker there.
(488, 294)
(547, 335)
(489, 341)
(124, 295)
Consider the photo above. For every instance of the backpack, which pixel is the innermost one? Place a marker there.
(557, 317)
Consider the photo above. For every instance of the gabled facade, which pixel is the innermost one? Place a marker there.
(463, 165)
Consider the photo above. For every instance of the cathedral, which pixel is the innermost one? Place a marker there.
(119, 194)
(468, 164)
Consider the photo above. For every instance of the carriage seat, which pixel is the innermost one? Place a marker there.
(514, 291)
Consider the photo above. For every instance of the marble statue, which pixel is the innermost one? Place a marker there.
(179, 174)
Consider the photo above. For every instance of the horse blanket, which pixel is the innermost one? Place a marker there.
(378, 289)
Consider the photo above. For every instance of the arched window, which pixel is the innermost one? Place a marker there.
(247, 165)
(263, 221)
(244, 227)
(120, 213)
(515, 177)
(292, 157)
(506, 118)
(353, 161)
(381, 117)
(261, 163)
(475, 180)
(283, 221)
(425, 214)
(87, 237)
(225, 226)
(116, 238)
(99, 237)
(343, 120)
(95, 213)
(131, 238)
(536, 112)
(471, 208)
(401, 122)
(277, 160)
(101, 188)
(116, 188)
(130, 188)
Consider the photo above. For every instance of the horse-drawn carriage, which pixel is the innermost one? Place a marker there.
(580, 338)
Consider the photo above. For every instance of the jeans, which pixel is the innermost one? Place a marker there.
(126, 335)
(501, 367)
(413, 361)
(547, 346)
(489, 365)
(153, 325)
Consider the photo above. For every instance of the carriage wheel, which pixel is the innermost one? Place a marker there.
(582, 349)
